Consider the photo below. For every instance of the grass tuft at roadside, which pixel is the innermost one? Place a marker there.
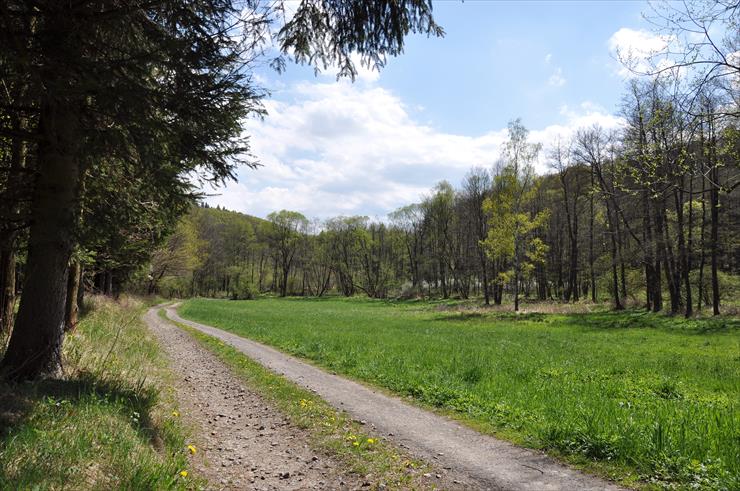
(109, 423)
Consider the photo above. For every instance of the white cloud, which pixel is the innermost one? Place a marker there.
(638, 50)
(586, 115)
(556, 79)
(345, 148)
(365, 73)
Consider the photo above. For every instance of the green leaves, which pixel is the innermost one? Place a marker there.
(512, 223)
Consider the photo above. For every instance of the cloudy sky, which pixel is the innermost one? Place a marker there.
(332, 148)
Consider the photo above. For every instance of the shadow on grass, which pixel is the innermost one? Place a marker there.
(601, 321)
(462, 316)
(18, 402)
(642, 319)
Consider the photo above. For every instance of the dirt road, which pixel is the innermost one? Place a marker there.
(241, 442)
(491, 463)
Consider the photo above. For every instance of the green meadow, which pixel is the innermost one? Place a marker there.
(647, 399)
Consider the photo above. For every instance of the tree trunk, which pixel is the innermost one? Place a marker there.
(573, 276)
(72, 307)
(8, 239)
(7, 289)
(81, 289)
(484, 271)
(541, 283)
(516, 277)
(702, 242)
(620, 247)
(274, 285)
(682, 249)
(615, 256)
(498, 293)
(35, 346)
(714, 217)
(591, 240)
(443, 279)
(652, 260)
(572, 223)
(690, 249)
(657, 287)
(714, 238)
(284, 284)
(109, 283)
(665, 254)
(261, 274)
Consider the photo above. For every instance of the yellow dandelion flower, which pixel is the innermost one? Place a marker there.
(175, 414)
(192, 449)
(184, 473)
(355, 444)
(371, 440)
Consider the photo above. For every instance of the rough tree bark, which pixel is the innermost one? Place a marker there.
(71, 310)
(7, 288)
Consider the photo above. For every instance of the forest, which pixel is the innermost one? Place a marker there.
(645, 217)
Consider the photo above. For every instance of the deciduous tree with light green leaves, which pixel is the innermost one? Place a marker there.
(512, 225)
(287, 238)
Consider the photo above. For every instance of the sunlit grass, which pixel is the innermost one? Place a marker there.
(110, 423)
(642, 396)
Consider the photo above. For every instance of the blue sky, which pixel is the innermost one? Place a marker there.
(333, 148)
(492, 64)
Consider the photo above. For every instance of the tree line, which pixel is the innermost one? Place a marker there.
(645, 215)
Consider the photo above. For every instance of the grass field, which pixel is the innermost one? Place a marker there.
(647, 399)
(110, 423)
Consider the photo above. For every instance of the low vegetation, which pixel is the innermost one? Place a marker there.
(109, 423)
(644, 398)
(330, 430)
